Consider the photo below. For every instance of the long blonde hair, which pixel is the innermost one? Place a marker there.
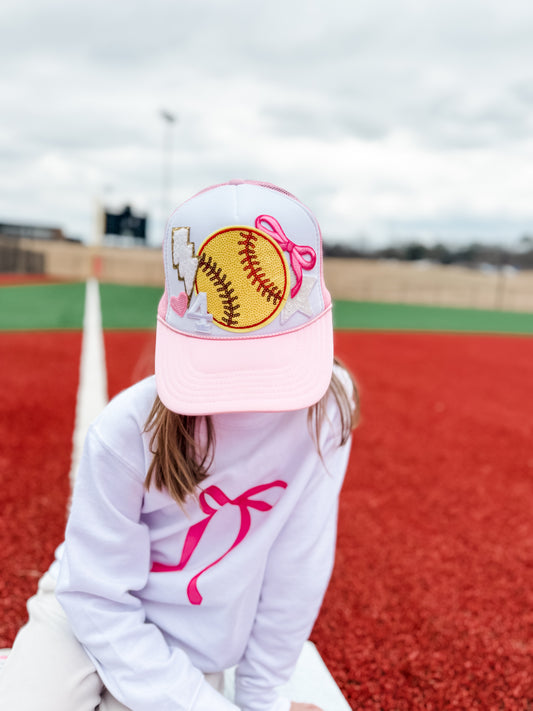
(179, 464)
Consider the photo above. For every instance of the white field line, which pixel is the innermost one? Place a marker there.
(92, 388)
(311, 681)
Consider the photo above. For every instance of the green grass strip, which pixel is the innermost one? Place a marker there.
(42, 306)
(410, 317)
(132, 307)
(60, 306)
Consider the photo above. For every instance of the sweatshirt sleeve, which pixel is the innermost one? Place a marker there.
(296, 577)
(106, 559)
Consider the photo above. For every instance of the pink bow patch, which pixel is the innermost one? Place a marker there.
(197, 530)
(302, 257)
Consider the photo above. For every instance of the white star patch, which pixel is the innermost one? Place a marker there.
(300, 302)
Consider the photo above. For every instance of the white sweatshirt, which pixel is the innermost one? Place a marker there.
(159, 595)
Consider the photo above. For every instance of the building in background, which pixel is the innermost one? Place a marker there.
(15, 254)
(31, 232)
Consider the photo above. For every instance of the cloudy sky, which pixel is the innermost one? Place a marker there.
(390, 119)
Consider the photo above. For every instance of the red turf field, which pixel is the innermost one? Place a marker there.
(430, 605)
(38, 387)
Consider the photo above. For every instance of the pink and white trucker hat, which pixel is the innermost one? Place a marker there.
(245, 322)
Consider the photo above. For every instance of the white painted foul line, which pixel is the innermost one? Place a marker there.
(92, 388)
(92, 384)
(311, 681)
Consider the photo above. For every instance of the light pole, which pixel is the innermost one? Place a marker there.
(169, 120)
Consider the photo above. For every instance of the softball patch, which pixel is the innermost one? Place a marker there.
(245, 277)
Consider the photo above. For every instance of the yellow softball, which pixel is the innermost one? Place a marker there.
(245, 277)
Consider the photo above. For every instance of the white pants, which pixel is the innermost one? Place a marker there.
(48, 669)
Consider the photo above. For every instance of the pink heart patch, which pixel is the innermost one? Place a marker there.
(179, 303)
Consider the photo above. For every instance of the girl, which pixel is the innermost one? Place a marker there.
(203, 521)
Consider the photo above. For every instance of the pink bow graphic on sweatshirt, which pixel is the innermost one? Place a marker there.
(302, 257)
(245, 502)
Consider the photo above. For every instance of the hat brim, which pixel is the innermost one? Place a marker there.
(199, 376)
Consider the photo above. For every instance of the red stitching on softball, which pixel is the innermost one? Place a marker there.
(257, 275)
(213, 272)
